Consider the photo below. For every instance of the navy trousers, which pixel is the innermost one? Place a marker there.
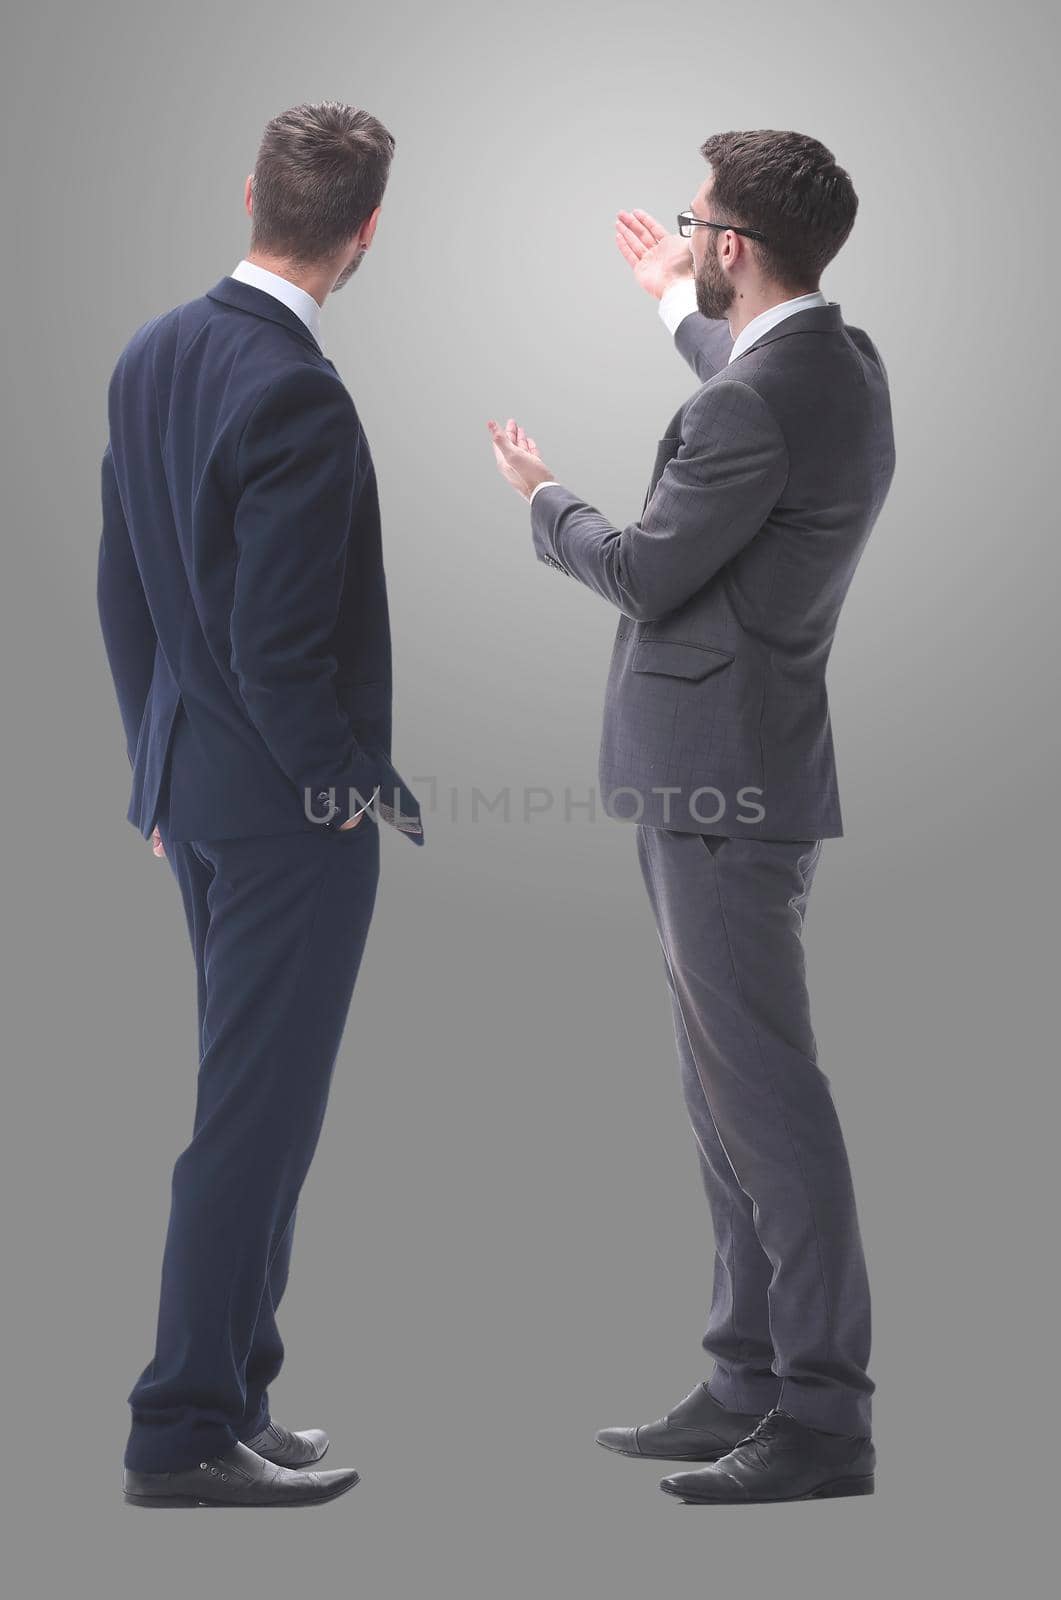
(789, 1323)
(278, 925)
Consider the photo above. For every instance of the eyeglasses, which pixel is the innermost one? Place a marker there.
(687, 222)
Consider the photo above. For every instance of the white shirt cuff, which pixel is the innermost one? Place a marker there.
(676, 303)
(366, 805)
(550, 483)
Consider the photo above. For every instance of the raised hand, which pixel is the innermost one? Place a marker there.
(517, 457)
(657, 257)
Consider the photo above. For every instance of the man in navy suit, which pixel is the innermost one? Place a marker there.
(244, 610)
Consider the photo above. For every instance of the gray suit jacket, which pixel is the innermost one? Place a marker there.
(766, 485)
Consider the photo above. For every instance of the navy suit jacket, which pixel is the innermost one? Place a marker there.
(241, 588)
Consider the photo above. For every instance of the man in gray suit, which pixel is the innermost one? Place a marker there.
(717, 744)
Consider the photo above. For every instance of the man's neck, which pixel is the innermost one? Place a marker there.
(315, 281)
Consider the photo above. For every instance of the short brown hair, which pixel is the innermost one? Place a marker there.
(321, 170)
(789, 188)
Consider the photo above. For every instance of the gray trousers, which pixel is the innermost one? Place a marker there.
(789, 1324)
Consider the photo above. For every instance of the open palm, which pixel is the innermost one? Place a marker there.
(657, 257)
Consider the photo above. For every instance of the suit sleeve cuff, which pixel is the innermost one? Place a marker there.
(550, 483)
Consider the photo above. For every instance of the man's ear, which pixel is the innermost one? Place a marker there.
(368, 228)
(247, 193)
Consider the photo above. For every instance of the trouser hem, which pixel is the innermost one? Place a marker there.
(252, 1430)
(179, 1453)
(834, 1411)
(752, 1396)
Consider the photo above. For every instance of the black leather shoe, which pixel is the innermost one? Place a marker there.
(698, 1429)
(781, 1460)
(238, 1478)
(289, 1449)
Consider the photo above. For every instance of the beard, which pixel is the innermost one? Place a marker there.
(348, 271)
(715, 293)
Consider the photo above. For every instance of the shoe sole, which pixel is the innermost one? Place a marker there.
(192, 1502)
(837, 1489)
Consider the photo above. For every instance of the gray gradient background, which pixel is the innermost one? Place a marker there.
(503, 1245)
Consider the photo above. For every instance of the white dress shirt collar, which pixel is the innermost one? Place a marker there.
(771, 317)
(297, 300)
(679, 301)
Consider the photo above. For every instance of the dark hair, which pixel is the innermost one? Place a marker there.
(321, 170)
(789, 188)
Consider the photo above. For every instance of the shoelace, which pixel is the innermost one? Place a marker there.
(772, 1426)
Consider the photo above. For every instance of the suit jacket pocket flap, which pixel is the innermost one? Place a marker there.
(676, 659)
